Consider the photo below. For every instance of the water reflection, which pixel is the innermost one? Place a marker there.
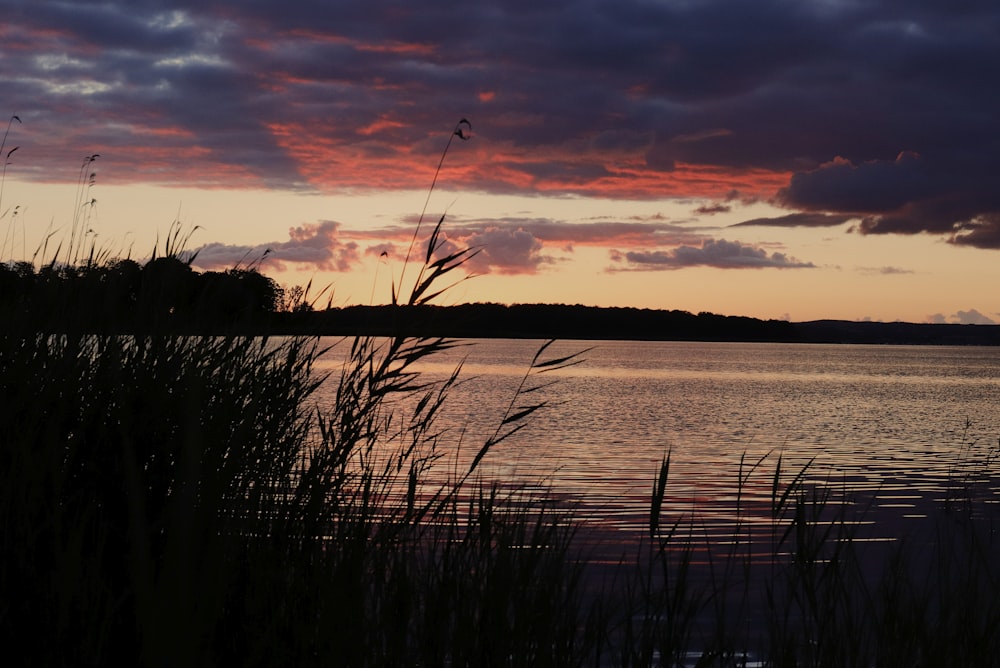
(891, 428)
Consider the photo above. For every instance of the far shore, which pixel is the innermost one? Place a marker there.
(546, 321)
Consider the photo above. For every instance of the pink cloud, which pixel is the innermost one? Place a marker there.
(316, 246)
(718, 253)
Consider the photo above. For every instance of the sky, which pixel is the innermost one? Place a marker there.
(795, 160)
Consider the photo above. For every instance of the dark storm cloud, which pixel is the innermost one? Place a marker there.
(873, 186)
(980, 232)
(883, 111)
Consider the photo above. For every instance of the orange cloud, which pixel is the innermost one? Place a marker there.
(398, 48)
(298, 34)
(171, 165)
(380, 125)
(326, 162)
(172, 132)
(684, 181)
(392, 47)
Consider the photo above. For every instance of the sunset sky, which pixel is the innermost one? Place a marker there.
(798, 160)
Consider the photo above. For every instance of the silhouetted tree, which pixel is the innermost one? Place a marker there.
(166, 292)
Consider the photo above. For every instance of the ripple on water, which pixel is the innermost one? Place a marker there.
(894, 430)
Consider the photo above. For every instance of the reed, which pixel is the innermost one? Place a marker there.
(5, 155)
(814, 591)
(181, 500)
(187, 500)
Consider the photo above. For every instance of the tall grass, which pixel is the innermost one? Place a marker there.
(186, 500)
(181, 501)
(177, 500)
(5, 155)
(812, 589)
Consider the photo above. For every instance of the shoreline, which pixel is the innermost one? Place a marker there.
(544, 321)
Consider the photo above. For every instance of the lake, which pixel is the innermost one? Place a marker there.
(892, 427)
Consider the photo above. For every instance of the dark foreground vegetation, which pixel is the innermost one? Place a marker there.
(172, 499)
(173, 493)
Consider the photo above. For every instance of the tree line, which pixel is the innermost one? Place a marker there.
(124, 296)
(541, 321)
(165, 294)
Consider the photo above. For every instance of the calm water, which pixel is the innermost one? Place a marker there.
(890, 425)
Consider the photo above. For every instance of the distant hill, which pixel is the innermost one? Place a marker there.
(562, 321)
(843, 331)
(165, 295)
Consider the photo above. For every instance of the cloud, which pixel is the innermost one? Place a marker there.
(712, 209)
(506, 251)
(389, 250)
(804, 219)
(874, 186)
(907, 195)
(973, 317)
(878, 110)
(520, 245)
(885, 271)
(970, 317)
(717, 253)
(516, 245)
(644, 232)
(316, 246)
(981, 231)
